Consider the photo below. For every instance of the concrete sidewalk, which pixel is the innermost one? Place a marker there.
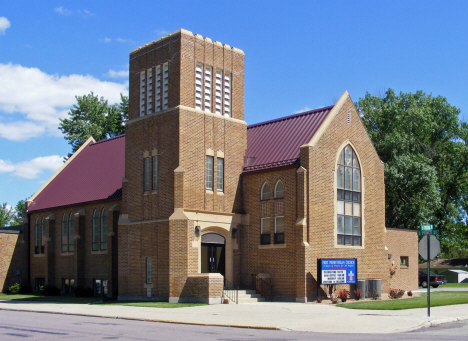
(285, 316)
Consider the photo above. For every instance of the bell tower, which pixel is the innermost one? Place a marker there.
(185, 143)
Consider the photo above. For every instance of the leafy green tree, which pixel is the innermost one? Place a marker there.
(424, 146)
(20, 213)
(7, 214)
(93, 116)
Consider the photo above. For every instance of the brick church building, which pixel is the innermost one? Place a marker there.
(192, 200)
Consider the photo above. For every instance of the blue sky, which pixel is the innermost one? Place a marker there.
(299, 55)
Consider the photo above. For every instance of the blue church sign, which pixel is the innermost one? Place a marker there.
(337, 271)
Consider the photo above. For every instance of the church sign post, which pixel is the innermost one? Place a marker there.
(336, 271)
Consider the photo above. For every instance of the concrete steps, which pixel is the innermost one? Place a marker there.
(246, 296)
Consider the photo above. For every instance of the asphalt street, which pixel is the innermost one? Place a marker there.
(15, 325)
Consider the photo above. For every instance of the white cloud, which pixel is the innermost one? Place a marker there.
(105, 40)
(85, 13)
(306, 108)
(121, 40)
(63, 11)
(38, 99)
(161, 32)
(33, 168)
(117, 74)
(4, 25)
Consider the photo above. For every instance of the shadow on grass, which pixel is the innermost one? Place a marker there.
(15, 299)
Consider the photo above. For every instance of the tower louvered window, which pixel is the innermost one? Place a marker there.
(158, 89)
(208, 81)
(227, 94)
(165, 85)
(142, 92)
(219, 92)
(149, 91)
(198, 86)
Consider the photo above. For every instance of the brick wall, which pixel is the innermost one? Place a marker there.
(403, 243)
(321, 165)
(13, 258)
(279, 260)
(83, 264)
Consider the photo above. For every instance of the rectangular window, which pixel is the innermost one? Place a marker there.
(220, 174)
(198, 86)
(155, 173)
(209, 172)
(165, 85)
(142, 92)
(38, 283)
(158, 89)
(149, 91)
(279, 230)
(208, 89)
(146, 174)
(218, 92)
(404, 261)
(265, 229)
(97, 287)
(149, 271)
(227, 94)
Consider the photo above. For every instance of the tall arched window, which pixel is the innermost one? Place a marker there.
(64, 234)
(265, 194)
(95, 230)
(43, 235)
(103, 229)
(71, 232)
(279, 190)
(36, 237)
(349, 211)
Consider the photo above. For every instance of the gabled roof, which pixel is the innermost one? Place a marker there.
(277, 142)
(94, 172)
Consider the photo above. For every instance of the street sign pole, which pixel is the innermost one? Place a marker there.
(428, 278)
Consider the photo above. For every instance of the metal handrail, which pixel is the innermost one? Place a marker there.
(230, 292)
(264, 288)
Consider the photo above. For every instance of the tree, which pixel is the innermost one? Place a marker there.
(424, 146)
(10, 216)
(6, 215)
(93, 116)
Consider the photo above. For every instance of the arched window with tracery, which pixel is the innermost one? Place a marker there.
(279, 190)
(265, 193)
(349, 198)
(95, 230)
(104, 229)
(71, 232)
(64, 234)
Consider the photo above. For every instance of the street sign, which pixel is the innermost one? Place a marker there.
(428, 233)
(426, 227)
(434, 247)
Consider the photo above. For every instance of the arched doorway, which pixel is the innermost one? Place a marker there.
(213, 253)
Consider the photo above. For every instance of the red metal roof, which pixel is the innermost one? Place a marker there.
(276, 143)
(95, 173)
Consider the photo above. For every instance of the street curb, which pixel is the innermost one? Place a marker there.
(149, 320)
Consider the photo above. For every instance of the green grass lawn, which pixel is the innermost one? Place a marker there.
(454, 285)
(437, 299)
(92, 300)
(153, 304)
